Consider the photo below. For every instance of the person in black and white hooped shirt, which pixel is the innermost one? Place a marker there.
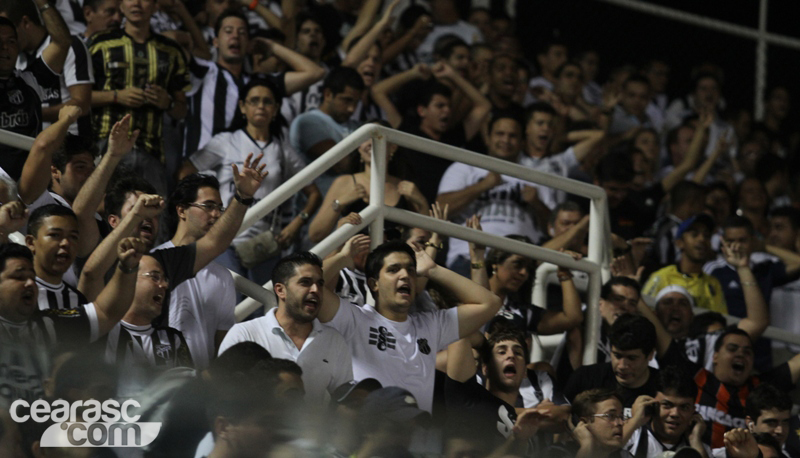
(259, 102)
(202, 307)
(217, 84)
(73, 83)
(673, 423)
(292, 331)
(134, 342)
(387, 343)
(26, 332)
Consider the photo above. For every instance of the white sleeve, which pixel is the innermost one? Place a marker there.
(345, 319)
(455, 178)
(447, 326)
(224, 300)
(78, 66)
(213, 154)
(238, 333)
(94, 322)
(293, 162)
(567, 160)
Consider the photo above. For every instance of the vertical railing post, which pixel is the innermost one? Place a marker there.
(761, 60)
(597, 225)
(377, 184)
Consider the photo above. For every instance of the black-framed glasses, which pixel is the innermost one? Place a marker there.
(256, 101)
(157, 277)
(208, 206)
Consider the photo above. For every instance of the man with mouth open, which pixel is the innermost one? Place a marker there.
(387, 343)
(292, 331)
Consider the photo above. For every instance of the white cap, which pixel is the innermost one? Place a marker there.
(675, 289)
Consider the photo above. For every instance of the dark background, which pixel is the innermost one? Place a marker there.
(622, 36)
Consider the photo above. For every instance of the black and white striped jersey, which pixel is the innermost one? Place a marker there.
(59, 297)
(131, 345)
(48, 328)
(352, 286)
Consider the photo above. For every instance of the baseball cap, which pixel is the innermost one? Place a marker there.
(392, 403)
(675, 289)
(344, 390)
(700, 218)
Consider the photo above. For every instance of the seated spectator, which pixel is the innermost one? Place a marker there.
(633, 346)
(504, 202)
(291, 331)
(392, 270)
(258, 103)
(615, 175)
(434, 119)
(315, 132)
(481, 56)
(350, 194)
(673, 424)
(769, 411)
(693, 238)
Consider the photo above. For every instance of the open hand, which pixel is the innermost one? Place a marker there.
(119, 142)
(356, 246)
(424, 262)
(734, 254)
(250, 177)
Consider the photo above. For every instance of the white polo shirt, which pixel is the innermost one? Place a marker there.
(397, 353)
(324, 357)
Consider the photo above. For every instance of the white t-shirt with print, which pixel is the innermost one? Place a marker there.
(556, 164)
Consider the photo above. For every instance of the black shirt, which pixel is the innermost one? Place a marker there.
(21, 113)
(601, 375)
(470, 402)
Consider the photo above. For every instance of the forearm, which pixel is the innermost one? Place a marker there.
(362, 46)
(88, 200)
(306, 71)
(757, 318)
(587, 141)
(699, 176)
(271, 18)
(663, 338)
(35, 175)
(104, 98)
(332, 265)
(571, 236)
(369, 10)
(541, 213)
(571, 303)
(115, 299)
(104, 256)
(60, 38)
(392, 84)
(323, 223)
(790, 259)
(458, 200)
(201, 49)
(397, 46)
(478, 272)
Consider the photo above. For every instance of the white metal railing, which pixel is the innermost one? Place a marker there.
(760, 35)
(596, 265)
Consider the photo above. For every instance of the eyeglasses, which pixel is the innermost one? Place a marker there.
(610, 417)
(157, 277)
(256, 101)
(208, 206)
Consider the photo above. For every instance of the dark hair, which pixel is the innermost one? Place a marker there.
(80, 370)
(704, 75)
(569, 63)
(14, 11)
(730, 330)
(739, 222)
(545, 47)
(241, 357)
(287, 266)
(445, 46)
(308, 16)
(374, 263)
(504, 115)
(118, 192)
(633, 332)
(4, 21)
(341, 78)
(74, 145)
(790, 213)
(410, 15)
(279, 366)
(38, 216)
(538, 107)
(673, 380)
(13, 251)
(770, 165)
(636, 78)
(496, 256)
(93, 4)
(502, 335)
(242, 396)
(186, 192)
(230, 12)
(702, 321)
(766, 397)
(686, 191)
(672, 135)
(566, 206)
(615, 167)
(278, 122)
(584, 404)
(430, 89)
(607, 289)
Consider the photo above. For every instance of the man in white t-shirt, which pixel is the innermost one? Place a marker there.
(201, 307)
(387, 343)
(505, 203)
(538, 135)
(447, 21)
(292, 331)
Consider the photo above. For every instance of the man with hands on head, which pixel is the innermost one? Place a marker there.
(598, 430)
(386, 342)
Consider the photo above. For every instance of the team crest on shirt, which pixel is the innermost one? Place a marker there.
(423, 346)
(382, 338)
(15, 96)
(164, 351)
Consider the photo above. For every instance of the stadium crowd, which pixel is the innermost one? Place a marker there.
(158, 123)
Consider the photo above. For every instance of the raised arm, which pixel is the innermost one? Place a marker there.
(55, 54)
(477, 255)
(325, 220)
(757, 318)
(272, 19)
(692, 155)
(458, 200)
(292, 230)
(480, 104)
(305, 73)
(573, 234)
(113, 303)
(586, 141)
(177, 8)
(219, 237)
(13, 217)
(35, 175)
(369, 9)
(460, 363)
(789, 258)
(383, 89)
(91, 194)
(102, 258)
(356, 54)
(423, 25)
(357, 245)
(478, 304)
(570, 316)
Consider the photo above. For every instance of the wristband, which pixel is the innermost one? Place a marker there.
(253, 5)
(248, 202)
(440, 246)
(477, 265)
(127, 270)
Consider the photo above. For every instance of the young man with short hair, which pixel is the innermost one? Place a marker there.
(631, 113)
(292, 330)
(599, 430)
(769, 411)
(552, 55)
(379, 337)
